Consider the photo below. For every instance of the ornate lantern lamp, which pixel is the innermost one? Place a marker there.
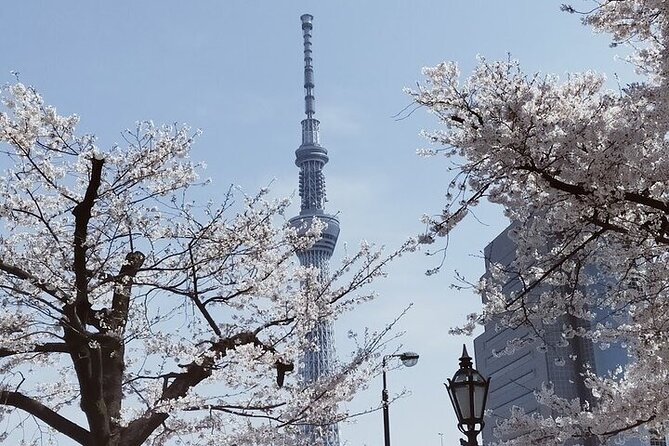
(468, 391)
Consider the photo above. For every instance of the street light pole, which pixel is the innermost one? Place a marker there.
(409, 359)
(384, 399)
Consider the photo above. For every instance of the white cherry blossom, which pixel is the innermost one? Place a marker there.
(583, 172)
(155, 316)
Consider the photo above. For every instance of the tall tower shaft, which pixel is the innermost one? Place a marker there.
(311, 157)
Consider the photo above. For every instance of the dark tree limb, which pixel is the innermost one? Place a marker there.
(113, 347)
(580, 189)
(82, 215)
(34, 281)
(614, 432)
(49, 347)
(194, 295)
(140, 429)
(118, 316)
(85, 356)
(38, 410)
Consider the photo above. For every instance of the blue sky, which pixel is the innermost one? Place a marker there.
(234, 69)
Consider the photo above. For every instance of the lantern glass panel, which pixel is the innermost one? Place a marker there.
(462, 397)
(479, 397)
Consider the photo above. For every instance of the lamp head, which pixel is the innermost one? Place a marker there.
(409, 359)
(468, 391)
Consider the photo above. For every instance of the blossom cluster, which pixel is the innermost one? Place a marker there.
(583, 173)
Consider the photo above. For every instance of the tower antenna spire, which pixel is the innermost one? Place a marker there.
(309, 99)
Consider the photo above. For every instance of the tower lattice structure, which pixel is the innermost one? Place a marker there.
(311, 157)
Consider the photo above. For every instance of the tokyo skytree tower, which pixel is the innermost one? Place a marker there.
(311, 157)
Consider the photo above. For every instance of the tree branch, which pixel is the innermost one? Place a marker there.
(50, 347)
(85, 357)
(38, 410)
(82, 215)
(112, 355)
(140, 429)
(34, 281)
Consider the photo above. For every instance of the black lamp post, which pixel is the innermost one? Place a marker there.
(409, 359)
(468, 391)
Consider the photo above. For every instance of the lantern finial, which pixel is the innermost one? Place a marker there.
(465, 359)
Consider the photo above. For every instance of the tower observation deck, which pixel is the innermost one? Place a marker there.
(311, 157)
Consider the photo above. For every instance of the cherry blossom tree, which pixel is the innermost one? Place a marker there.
(583, 171)
(133, 315)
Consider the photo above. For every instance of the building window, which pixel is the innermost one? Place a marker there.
(658, 442)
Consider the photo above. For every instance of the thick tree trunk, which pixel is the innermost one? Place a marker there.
(85, 353)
